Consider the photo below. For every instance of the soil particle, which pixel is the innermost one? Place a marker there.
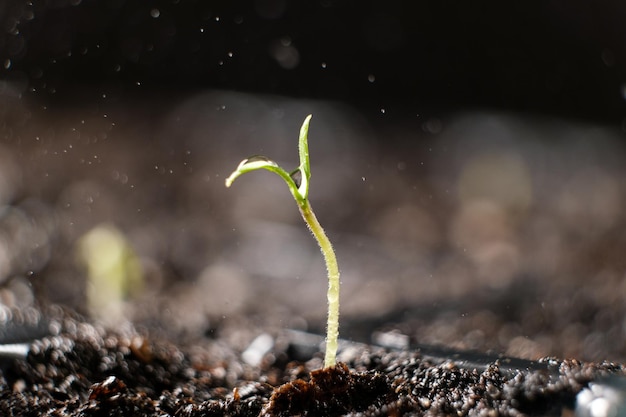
(83, 370)
(332, 391)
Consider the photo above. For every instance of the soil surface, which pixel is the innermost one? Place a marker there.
(482, 273)
(83, 370)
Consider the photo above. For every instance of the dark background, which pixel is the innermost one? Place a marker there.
(564, 58)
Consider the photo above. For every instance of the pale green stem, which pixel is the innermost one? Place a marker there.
(300, 193)
(332, 324)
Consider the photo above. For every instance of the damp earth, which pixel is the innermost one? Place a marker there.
(491, 301)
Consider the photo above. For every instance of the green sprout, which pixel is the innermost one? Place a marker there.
(298, 183)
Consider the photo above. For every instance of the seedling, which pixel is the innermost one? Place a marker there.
(298, 183)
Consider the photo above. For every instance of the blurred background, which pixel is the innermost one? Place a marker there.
(467, 162)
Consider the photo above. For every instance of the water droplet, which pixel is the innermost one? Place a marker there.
(217, 18)
(36, 72)
(324, 65)
(155, 13)
(7, 63)
(382, 111)
(371, 78)
(608, 57)
(285, 54)
(433, 125)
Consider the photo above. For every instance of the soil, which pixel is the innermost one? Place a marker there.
(84, 370)
(461, 294)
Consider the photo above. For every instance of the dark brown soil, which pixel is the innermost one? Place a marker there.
(456, 286)
(83, 370)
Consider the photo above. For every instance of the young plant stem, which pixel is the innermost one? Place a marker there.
(332, 295)
(300, 191)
